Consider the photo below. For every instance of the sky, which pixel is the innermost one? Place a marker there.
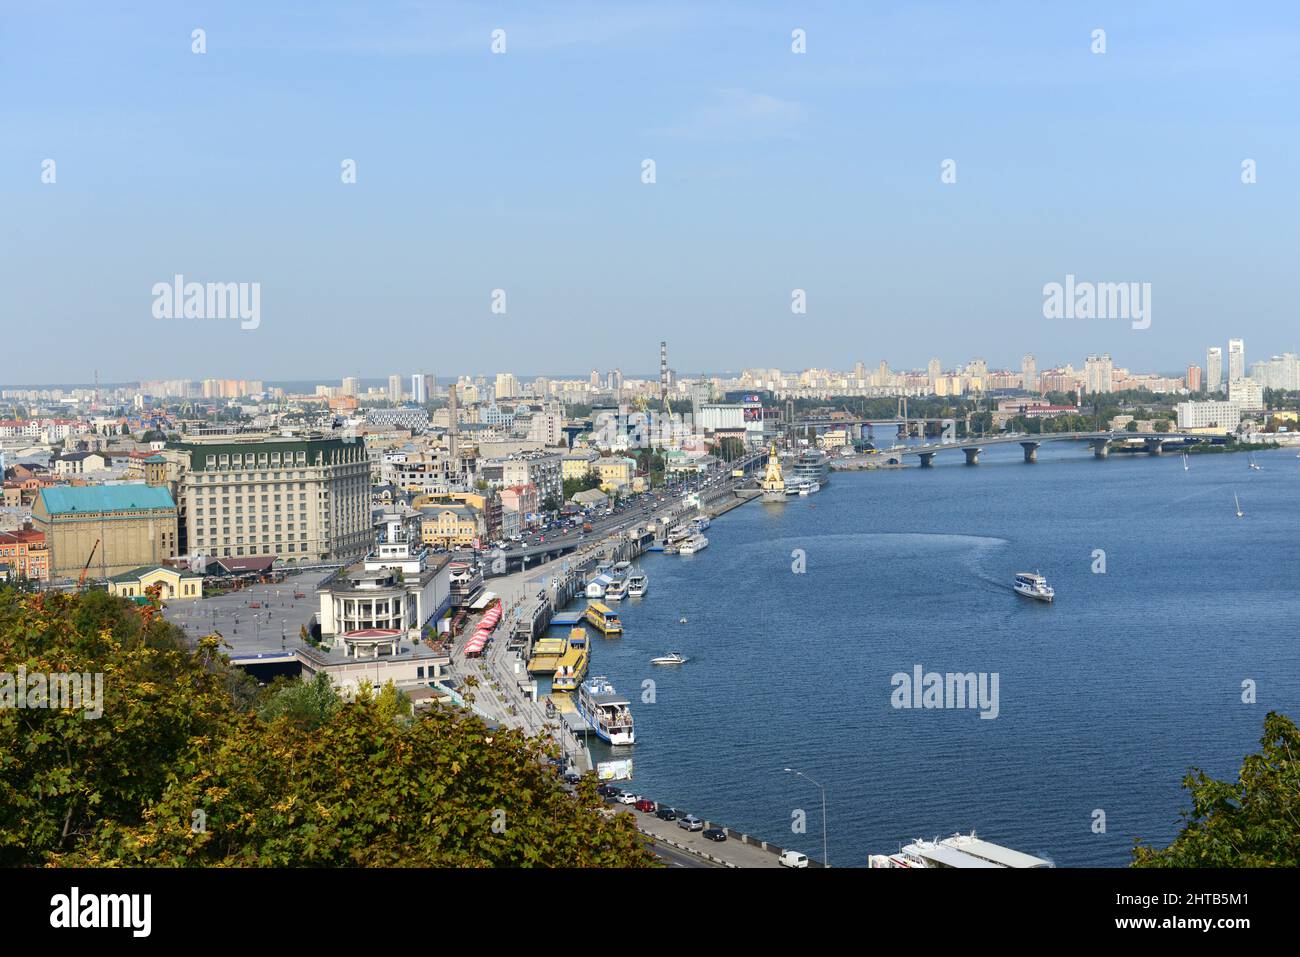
(522, 171)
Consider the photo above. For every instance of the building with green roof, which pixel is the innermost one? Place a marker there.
(116, 528)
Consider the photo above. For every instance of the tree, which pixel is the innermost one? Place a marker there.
(290, 777)
(1251, 822)
(572, 486)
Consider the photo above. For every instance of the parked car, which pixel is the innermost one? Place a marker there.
(572, 777)
(608, 790)
(715, 834)
(691, 823)
(627, 797)
(666, 814)
(645, 804)
(793, 859)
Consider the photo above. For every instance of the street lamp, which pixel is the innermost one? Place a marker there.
(826, 862)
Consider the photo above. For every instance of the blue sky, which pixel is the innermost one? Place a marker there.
(521, 172)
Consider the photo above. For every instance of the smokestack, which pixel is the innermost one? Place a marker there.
(663, 370)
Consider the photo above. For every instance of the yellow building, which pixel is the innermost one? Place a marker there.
(576, 464)
(449, 526)
(615, 472)
(183, 585)
(116, 528)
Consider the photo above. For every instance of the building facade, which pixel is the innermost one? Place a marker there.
(116, 528)
(305, 500)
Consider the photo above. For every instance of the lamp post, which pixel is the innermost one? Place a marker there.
(825, 856)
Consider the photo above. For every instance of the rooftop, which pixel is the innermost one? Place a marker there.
(132, 497)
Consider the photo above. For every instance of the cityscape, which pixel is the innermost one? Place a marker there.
(320, 554)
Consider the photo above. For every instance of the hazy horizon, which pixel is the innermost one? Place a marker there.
(521, 171)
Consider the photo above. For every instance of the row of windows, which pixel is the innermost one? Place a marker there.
(255, 459)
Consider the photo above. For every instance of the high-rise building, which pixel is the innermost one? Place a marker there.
(1098, 374)
(301, 499)
(1213, 369)
(932, 373)
(507, 386)
(1236, 359)
(418, 395)
(351, 385)
(394, 388)
(1194, 378)
(1029, 373)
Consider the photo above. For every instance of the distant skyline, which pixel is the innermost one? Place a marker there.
(522, 171)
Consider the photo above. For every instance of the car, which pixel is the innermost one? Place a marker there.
(608, 790)
(793, 859)
(572, 777)
(716, 834)
(627, 797)
(691, 823)
(645, 804)
(666, 814)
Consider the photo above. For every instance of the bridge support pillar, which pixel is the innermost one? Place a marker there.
(1101, 448)
(1031, 450)
(1155, 447)
(972, 456)
(927, 460)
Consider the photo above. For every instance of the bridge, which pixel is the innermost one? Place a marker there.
(1153, 443)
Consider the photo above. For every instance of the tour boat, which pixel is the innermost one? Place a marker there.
(603, 619)
(616, 590)
(1033, 585)
(696, 543)
(572, 668)
(605, 711)
(638, 583)
(959, 851)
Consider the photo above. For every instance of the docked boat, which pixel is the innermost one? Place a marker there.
(812, 467)
(638, 583)
(616, 590)
(1033, 585)
(572, 667)
(603, 619)
(672, 658)
(546, 656)
(605, 711)
(696, 543)
(699, 523)
(961, 851)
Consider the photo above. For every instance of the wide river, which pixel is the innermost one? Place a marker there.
(1106, 698)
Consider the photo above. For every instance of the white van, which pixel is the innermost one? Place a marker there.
(793, 859)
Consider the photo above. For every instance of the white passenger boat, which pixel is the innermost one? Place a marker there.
(1033, 585)
(672, 658)
(638, 583)
(605, 711)
(616, 590)
(699, 523)
(960, 850)
(696, 543)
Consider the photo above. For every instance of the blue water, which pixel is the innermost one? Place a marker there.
(1106, 697)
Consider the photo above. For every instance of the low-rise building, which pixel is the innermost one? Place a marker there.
(25, 553)
(176, 584)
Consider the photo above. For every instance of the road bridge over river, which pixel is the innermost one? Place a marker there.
(1152, 443)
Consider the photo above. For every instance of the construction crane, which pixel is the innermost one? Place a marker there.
(81, 582)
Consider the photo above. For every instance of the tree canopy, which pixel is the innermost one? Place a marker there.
(192, 764)
(1251, 822)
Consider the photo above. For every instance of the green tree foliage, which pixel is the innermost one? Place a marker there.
(291, 776)
(1251, 822)
(572, 486)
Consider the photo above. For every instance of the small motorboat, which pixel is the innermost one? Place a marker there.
(682, 621)
(672, 658)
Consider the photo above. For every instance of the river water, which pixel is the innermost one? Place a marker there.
(1105, 698)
